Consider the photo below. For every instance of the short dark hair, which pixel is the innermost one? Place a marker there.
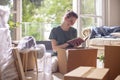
(71, 14)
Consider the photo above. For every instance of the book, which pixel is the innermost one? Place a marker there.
(76, 41)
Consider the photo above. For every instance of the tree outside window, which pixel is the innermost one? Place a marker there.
(39, 19)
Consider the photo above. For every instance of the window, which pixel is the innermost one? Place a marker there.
(90, 13)
(39, 20)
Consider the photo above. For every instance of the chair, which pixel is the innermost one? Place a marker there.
(18, 63)
(29, 59)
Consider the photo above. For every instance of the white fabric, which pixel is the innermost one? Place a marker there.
(104, 41)
(41, 51)
(54, 64)
(116, 34)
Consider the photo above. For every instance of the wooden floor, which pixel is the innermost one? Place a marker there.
(32, 75)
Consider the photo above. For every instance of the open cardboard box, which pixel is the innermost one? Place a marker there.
(87, 73)
(69, 59)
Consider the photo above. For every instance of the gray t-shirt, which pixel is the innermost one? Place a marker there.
(62, 36)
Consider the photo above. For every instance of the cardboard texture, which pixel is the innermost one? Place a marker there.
(112, 61)
(87, 73)
(57, 76)
(0, 74)
(72, 58)
(118, 77)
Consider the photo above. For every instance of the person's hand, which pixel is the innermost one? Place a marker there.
(66, 45)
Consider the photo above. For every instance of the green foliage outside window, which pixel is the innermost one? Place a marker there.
(88, 7)
(49, 11)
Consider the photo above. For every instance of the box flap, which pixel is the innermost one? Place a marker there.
(88, 73)
(97, 73)
(79, 72)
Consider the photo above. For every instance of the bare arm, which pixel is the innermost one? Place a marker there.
(55, 46)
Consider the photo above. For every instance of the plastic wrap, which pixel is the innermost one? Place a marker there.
(44, 63)
(44, 58)
(4, 16)
(7, 67)
(27, 42)
(45, 67)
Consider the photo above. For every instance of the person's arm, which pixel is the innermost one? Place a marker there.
(55, 46)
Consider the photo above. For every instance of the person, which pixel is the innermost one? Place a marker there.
(65, 32)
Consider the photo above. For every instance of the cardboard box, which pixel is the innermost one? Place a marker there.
(118, 77)
(57, 76)
(72, 58)
(87, 73)
(112, 61)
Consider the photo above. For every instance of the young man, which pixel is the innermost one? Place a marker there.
(61, 34)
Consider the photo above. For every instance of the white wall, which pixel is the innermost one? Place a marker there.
(113, 13)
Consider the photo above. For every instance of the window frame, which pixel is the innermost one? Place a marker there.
(77, 9)
(17, 17)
